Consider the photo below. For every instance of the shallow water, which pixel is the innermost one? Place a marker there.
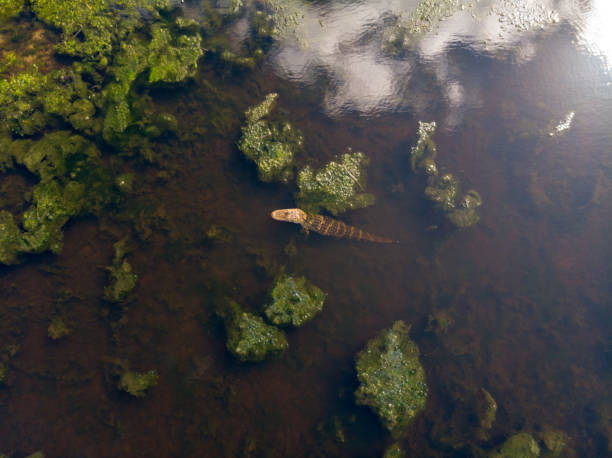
(528, 288)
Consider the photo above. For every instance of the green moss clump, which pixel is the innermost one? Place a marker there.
(294, 301)
(10, 8)
(137, 383)
(521, 445)
(271, 145)
(249, 338)
(123, 279)
(172, 58)
(335, 187)
(392, 380)
(443, 190)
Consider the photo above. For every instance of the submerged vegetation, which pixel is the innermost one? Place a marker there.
(336, 187)
(249, 338)
(392, 379)
(294, 301)
(271, 145)
(443, 189)
(86, 137)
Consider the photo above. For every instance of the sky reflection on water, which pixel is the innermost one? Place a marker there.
(344, 44)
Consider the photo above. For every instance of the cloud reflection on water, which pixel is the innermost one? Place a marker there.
(344, 45)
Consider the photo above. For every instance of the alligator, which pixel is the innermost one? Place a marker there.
(325, 225)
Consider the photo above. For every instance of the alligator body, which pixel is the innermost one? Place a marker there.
(325, 225)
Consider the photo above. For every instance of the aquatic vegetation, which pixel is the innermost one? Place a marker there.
(336, 186)
(249, 338)
(10, 8)
(172, 57)
(439, 322)
(91, 29)
(443, 190)
(394, 450)
(137, 383)
(405, 31)
(555, 442)
(123, 279)
(58, 328)
(521, 445)
(486, 411)
(31, 101)
(271, 145)
(392, 379)
(294, 301)
(73, 182)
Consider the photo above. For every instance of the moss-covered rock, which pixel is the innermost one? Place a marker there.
(10, 8)
(271, 145)
(521, 445)
(137, 383)
(336, 186)
(294, 301)
(249, 338)
(392, 380)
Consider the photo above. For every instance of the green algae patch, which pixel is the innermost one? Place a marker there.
(123, 279)
(172, 58)
(336, 186)
(521, 445)
(137, 383)
(392, 380)
(90, 29)
(30, 101)
(443, 189)
(295, 301)
(249, 337)
(271, 145)
(10, 9)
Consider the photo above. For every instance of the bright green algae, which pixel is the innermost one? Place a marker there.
(73, 182)
(392, 380)
(91, 29)
(249, 338)
(334, 187)
(443, 189)
(271, 145)
(294, 301)
(172, 57)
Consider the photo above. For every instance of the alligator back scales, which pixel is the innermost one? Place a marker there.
(325, 225)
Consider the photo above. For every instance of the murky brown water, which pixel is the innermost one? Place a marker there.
(528, 288)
